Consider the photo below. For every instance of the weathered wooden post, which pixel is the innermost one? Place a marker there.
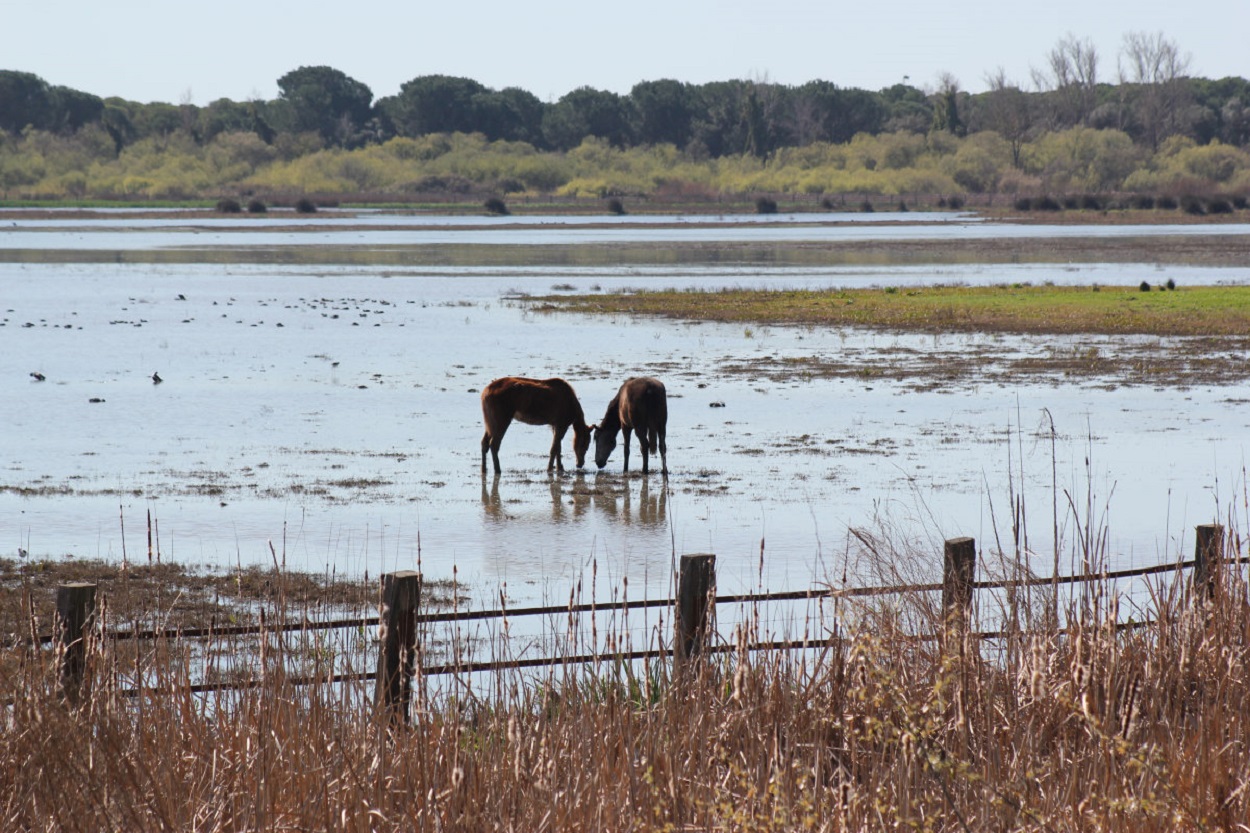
(75, 616)
(959, 567)
(397, 653)
(1208, 549)
(696, 588)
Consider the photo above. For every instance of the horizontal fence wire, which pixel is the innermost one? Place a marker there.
(211, 631)
(615, 657)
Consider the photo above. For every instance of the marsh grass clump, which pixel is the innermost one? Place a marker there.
(1206, 311)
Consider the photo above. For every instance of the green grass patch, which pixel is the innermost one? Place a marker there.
(1204, 310)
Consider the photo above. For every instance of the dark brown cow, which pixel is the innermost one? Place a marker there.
(534, 402)
(641, 406)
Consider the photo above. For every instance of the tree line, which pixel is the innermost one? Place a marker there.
(1149, 98)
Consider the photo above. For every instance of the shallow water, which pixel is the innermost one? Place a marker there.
(332, 414)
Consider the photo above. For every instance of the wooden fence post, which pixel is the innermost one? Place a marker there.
(1208, 549)
(696, 588)
(397, 653)
(959, 567)
(75, 615)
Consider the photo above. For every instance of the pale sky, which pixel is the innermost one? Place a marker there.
(165, 50)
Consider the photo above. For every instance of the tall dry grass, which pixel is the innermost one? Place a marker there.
(1090, 728)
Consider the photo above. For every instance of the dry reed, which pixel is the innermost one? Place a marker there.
(1069, 725)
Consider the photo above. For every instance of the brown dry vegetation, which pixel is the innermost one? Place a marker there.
(166, 595)
(1092, 729)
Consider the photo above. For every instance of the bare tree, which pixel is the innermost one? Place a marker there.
(1008, 111)
(1154, 65)
(1071, 75)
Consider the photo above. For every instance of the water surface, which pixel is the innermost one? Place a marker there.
(328, 416)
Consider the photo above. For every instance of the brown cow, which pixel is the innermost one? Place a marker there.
(534, 402)
(641, 406)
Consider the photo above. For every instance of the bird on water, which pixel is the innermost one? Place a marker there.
(156, 379)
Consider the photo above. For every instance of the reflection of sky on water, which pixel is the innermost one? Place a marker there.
(333, 412)
(356, 218)
(212, 233)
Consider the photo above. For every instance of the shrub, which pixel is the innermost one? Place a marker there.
(902, 206)
(866, 207)
(615, 206)
(955, 202)
(496, 206)
(1144, 202)
(1219, 206)
(256, 207)
(1239, 202)
(827, 204)
(1023, 204)
(228, 206)
(1047, 203)
(510, 185)
(429, 184)
(1167, 203)
(305, 206)
(1193, 205)
(1070, 202)
(765, 205)
(1090, 202)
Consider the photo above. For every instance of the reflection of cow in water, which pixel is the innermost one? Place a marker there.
(534, 402)
(640, 406)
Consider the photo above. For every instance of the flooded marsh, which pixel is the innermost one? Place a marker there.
(328, 407)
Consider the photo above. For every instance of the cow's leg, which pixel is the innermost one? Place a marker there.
(625, 432)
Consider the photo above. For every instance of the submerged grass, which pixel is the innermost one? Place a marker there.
(1203, 310)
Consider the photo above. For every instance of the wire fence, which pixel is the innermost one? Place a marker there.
(402, 620)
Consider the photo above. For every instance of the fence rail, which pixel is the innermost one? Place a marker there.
(400, 616)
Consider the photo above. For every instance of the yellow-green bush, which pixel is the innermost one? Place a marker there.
(1083, 159)
(895, 164)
